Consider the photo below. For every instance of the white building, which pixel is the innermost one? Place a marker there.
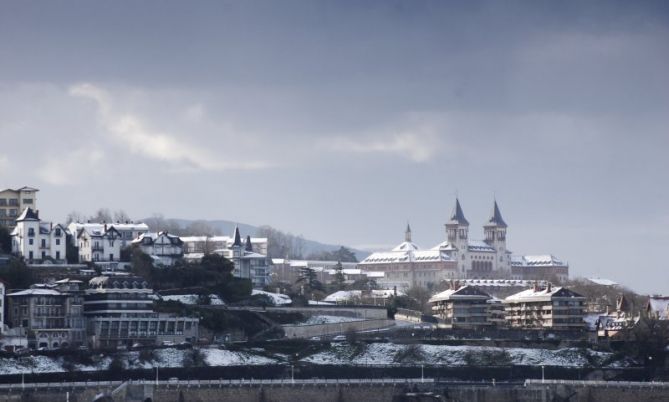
(545, 307)
(407, 265)
(2, 307)
(99, 245)
(127, 231)
(249, 257)
(201, 245)
(40, 241)
(490, 258)
(462, 307)
(164, 248)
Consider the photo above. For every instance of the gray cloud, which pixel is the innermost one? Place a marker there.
(343, 120)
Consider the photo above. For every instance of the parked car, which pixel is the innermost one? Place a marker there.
(315, 338)
(339, 338)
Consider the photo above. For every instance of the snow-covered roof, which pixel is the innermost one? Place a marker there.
(36, 292)
(603, 282)
(151, 237)
(28, 214)
(462, 293)
(536, 260)
(100, 227)
(406, 256)
(406, 246)
(659, 305)
(375, 274)
(542, 294)
(499, 282)
(479, 245)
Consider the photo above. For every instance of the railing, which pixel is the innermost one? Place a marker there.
(608, 384)
(216, 383)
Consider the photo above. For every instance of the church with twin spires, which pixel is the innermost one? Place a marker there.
(463, 258)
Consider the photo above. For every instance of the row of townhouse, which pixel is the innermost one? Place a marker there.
(101, 243)
(540, 307)
(112, 311)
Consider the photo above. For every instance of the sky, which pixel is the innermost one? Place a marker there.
(344, 120)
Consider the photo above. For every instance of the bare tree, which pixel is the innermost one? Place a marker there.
(75, 216)
(102, 215)
(121, 216)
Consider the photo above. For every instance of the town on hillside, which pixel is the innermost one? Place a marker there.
(148, 294)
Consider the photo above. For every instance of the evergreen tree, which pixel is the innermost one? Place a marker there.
(5, 240)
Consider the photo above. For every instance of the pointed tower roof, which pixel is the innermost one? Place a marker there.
(496, 217)
(238, 238)
(458, 217)
(248, 246)
(28, 215)
(407, 233)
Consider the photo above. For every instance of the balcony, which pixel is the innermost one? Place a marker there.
(98, 248)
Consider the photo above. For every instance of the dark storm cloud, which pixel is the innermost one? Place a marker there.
(342, 120)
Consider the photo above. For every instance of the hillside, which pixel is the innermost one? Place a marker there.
(225, 227)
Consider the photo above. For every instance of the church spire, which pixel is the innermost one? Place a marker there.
(458, 217)
(407, 233)
(238, 238)
(496, 217)
(249, 245)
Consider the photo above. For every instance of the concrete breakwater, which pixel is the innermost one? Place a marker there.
(354, 390)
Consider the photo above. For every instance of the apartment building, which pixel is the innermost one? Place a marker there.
(545, 307)
(38, 241)
(12, 202)
(119, 312)
(462, 307)
(50, 314)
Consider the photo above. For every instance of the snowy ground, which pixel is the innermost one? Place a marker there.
(397, 354)
(328, 319)
(279, 299)
(192, 299)
(163, 358)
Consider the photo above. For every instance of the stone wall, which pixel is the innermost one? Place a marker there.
(308, 331)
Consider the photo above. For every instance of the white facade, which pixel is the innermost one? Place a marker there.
(209, 244)
(407, 265)
(35, 240)
(2, 307)
(128, 231)
(163, 247)
(99, 245)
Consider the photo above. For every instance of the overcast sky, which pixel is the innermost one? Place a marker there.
(343, 120)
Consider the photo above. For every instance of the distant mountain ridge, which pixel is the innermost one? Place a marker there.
(226, 227)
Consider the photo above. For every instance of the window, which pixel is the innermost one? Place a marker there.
(57, 242)
(30, 241)
(43, 243)
(31, 232)
(58, 232)
(3, 202)
(27, 200)
(14, 202)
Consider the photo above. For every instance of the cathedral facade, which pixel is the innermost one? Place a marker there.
(479, 259)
